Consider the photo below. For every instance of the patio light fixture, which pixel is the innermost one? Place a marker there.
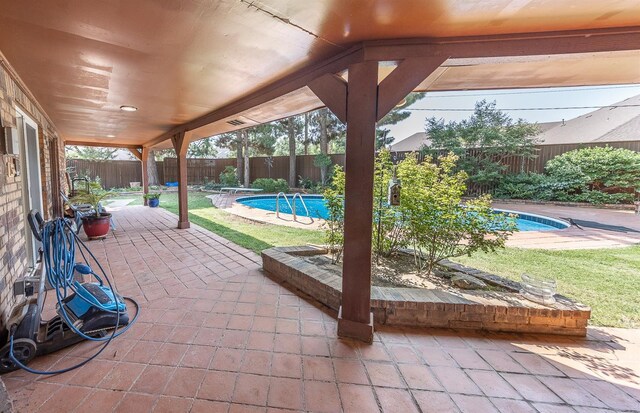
(128, 108)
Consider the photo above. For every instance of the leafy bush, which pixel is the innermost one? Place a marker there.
(271, 185)
(609, 171)
(438, 225)
(212, 186)
(521, 186)
(334, 199)
(389, 233)
(228, 177)
(305, 183)
(595, 175)
(430, 218)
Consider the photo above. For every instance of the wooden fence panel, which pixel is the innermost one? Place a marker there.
(113, 174)
(199, 171)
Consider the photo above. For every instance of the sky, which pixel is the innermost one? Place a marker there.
(513, 99)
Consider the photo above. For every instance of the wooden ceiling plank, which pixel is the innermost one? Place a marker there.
(272, 91)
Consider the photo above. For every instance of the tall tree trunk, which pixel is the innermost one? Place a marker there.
(324, 143)
(152, 169)
(292, 153)
(247, 166)
(239, 156)
(306, 133)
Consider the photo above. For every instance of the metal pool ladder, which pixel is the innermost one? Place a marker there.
(297, 194)
(287, 201)
(292, 207)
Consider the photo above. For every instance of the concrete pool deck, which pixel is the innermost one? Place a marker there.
(566, 239)
(573, 237)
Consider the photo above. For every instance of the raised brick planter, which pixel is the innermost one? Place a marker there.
(478, 310)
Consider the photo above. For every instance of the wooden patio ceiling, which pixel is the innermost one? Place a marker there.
(194, 65)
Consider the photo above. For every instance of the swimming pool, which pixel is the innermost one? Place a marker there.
(317, 209)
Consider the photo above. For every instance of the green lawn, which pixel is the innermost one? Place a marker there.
(608, 279)
(249, 234)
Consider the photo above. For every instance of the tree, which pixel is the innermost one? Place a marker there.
(233, 141)
(292, 126)
(328, 128)
(90, 152)
(262, 139)
(203, 148)
(396, 115)
(483, 142)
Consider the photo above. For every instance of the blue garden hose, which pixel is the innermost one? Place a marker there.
(59, 249)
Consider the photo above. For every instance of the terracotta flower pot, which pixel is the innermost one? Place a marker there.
(96, 227)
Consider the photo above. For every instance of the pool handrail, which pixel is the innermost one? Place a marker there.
(288, 203)
(293, 201)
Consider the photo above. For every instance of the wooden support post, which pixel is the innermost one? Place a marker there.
(180, 144)
(355, 319)
(144, 157)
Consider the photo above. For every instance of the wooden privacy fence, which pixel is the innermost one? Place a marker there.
(199, 171)
(113, 174)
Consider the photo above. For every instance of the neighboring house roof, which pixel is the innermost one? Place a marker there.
(610, 124)
(412, 143)
(419, 139)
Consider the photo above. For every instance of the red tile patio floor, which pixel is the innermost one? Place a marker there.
(217, 335)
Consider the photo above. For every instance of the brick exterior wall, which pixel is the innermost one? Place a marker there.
(13, 253)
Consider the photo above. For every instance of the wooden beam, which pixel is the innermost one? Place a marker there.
(144, 157)
(136, 153)
(181, 144)
(102, 145)
(331, 89)
(521, 44)
(355, 319)
(404, 78)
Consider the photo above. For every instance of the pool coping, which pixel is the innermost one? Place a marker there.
(419, 307)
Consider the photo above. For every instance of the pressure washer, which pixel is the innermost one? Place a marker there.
(84, 310)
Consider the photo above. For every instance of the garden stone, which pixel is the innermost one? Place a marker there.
(467, 282)
(443, 273)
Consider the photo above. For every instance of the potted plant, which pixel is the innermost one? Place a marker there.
(153, 199)
(96, 222)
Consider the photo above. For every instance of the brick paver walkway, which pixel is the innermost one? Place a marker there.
(217, 335)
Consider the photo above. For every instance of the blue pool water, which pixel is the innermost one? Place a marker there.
(317, 209)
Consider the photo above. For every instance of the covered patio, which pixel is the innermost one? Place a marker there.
(218, 335)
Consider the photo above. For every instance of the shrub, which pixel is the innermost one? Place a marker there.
(271, 185)
(388, 233)
(334, 199)
(305, 183)
(430, 218)
(228, 177)
(598, 174)
(212, 186)
(438, 225)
